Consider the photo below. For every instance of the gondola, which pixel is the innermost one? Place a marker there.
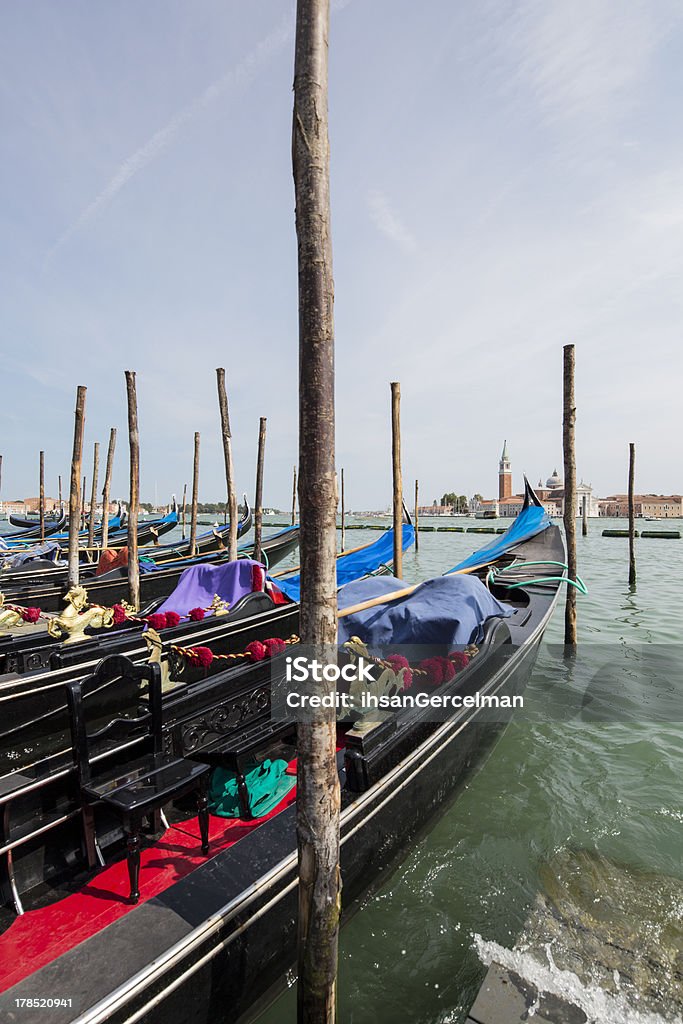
(46, 589)
(211, 936)
(215, 539)
(32, 531)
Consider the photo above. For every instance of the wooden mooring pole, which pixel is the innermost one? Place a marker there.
(42, 497)
(584, 516)
(83, 501)
(59, 490)
(416, 520)
(343, 513)
(74, 487)
(631, 515)
(93, 495)
(195, 496)
(318, 796)
(134, 499)
(229, 468)
(106, 490)
(258, 497)
(184, 508)
(397, 477)
(294, 497)
(570, 510)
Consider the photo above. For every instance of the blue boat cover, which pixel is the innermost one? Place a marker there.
(356, 563)
(48, 551)
(530, 521)
(448, 610)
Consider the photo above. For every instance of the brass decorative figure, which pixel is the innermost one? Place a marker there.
(70, 625)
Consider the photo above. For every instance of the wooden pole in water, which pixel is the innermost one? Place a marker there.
(93, 494)
(195, 496)
(294, 497)
(134, 499)
(229, 468)
(417, 528)
(59, 488)
(184, 507)
(584, 516)
(397, 477)
(106, 490)
(42, 497)
(85, 481)
(568, 444)
(631, 515)
(343, 513)
(258, 498)
(74, 488)
(318, 796)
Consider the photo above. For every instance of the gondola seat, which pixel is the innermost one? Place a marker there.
(112, 717)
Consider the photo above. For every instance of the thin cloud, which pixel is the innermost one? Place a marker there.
(233, 82)
(388, 222)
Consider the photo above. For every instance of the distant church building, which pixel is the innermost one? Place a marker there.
(504, 475)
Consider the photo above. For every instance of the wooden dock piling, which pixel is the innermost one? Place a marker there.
(83, 502)
(397, 477)
(568, 445)
(184, 508)
(59, 490)
(93, 495)
(74, 487)
(318, 794)
(258, 496)
(41, 499)
(584, 516)
(631, 515)
(343, 513)
(229, 468)
(106, 490)
(294, 497)
(195, 496)
(134, 499)
(415, 520)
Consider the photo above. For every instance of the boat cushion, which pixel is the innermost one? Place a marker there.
(267, 784)
(448, 610)
(199, 584)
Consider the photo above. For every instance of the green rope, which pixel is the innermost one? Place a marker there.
(495, 574)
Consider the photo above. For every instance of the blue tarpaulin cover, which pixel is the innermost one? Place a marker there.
(356, 563)
(530, 521)
(447, 610)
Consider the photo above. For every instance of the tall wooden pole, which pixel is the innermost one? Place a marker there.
(317, 780)
(343, 513)
(134, 498)
(258, 497)
(184, 507)
(74, 487)
(93, 494)
(227, 458)
(195, 496)
(59, 488)
(42, 497)
(631, 515)
(294, 497)
(397, 477)
(568, 445)
(584, 516)
(415, 518)
(106, 490)
(85, 481)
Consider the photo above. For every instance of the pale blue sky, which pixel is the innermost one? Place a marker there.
(505, 178)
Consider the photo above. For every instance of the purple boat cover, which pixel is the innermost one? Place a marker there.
(200, 583)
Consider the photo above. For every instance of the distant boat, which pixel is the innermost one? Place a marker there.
(486, 513)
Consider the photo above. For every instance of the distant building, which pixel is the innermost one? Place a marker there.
(655, 506)
(504, 475)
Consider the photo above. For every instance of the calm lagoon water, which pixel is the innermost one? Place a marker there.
(573, 783)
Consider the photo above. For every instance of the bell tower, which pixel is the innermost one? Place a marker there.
(504, 475)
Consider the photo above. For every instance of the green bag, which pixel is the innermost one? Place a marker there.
(266, 782)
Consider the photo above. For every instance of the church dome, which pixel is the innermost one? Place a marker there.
(553, 481)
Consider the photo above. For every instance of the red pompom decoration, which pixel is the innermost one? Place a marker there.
(434, 669)
(157, 620)
(274, 646)
(256, 650)
(30, 614)
(448, 670)
(202, 655)
(196, 614)
(172, 619)
(459, 660)
(397, 663)
(119, 614)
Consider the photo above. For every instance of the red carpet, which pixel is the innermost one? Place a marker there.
(39, 936)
